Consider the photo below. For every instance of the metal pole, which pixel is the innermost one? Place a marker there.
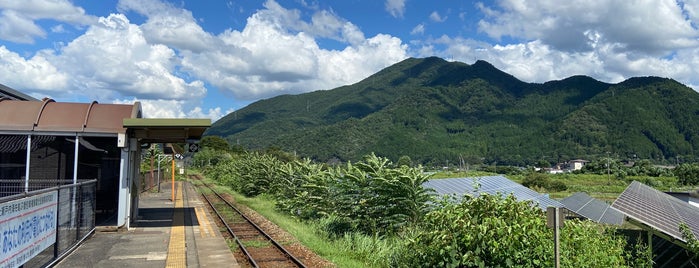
(152, 158)
(26, 171)
(173, 175)
(556, 234)
(158, 173)
(75, 180)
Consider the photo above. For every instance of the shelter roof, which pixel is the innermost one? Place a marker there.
(174, 130)
(56, 117)
(51, 116)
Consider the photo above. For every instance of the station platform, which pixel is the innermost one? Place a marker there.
(165, 234)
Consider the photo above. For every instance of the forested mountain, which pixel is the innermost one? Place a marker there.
(436, 111)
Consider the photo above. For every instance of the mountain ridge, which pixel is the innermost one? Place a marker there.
(437, 111)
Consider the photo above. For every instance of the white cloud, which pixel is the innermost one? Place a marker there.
(17, 18)
(648, 26)
(16, 28)
(60, 10)
(395, 7)
(604, 39)
(273, 55)
(169, 25)
(113, 56)
(434, 16)
(157, 108)
(418, 30)
(536, 61)
(36, 73)
(58, 29)
(160, 108)
(323, 24)
(214, 113)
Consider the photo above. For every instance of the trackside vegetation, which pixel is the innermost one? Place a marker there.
(378, 213)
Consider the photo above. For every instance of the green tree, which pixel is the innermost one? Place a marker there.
(208, 157)
(687, 174)
(215, 143)
(404, 161)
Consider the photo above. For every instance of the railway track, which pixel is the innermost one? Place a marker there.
(259, 248)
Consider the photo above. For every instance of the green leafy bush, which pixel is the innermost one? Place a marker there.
(687, 174)
(542, 181)
(496, 231)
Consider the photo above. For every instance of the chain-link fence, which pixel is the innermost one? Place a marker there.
(65, 214)
(10, 187)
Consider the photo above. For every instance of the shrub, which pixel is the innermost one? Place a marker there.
(557, 186)
(687, 174)
(496, 231)
(541, 180)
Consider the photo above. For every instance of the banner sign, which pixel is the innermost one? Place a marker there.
(27, 227)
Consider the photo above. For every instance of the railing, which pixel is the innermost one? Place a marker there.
(65, 214)
(17, 186)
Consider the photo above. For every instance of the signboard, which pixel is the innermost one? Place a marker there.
(27, 227)
(193, 147)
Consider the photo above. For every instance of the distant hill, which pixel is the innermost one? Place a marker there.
(436, 111)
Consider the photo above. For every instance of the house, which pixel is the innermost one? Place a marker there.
(577, 164)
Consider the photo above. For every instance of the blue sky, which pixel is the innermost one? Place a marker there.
(208, 58)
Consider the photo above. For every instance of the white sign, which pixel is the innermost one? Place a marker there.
(27, 227)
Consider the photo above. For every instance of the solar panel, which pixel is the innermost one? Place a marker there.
(657, 210)
(593, 209)
(491, 185)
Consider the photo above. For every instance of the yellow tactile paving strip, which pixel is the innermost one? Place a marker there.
(176, 251)
(205, 229)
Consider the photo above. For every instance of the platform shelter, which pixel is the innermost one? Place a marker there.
(66, 168)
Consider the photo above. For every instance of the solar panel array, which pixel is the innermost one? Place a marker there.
(593, 209)
(491, 185)
(657, 210)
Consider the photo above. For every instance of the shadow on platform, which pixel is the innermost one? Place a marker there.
(162, 217)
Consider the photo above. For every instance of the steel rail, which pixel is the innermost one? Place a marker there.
(281, 248)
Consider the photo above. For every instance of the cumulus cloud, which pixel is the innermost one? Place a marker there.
(277, 53)
(168, 61)
(539, 41)
(35, 73)
(17, 18)
(323, 24)
(434, 16)
(395, 7)
(162, 108)
(169, 25)
(113, 56)
(567, 26)
(419, 29)
(536, 61)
